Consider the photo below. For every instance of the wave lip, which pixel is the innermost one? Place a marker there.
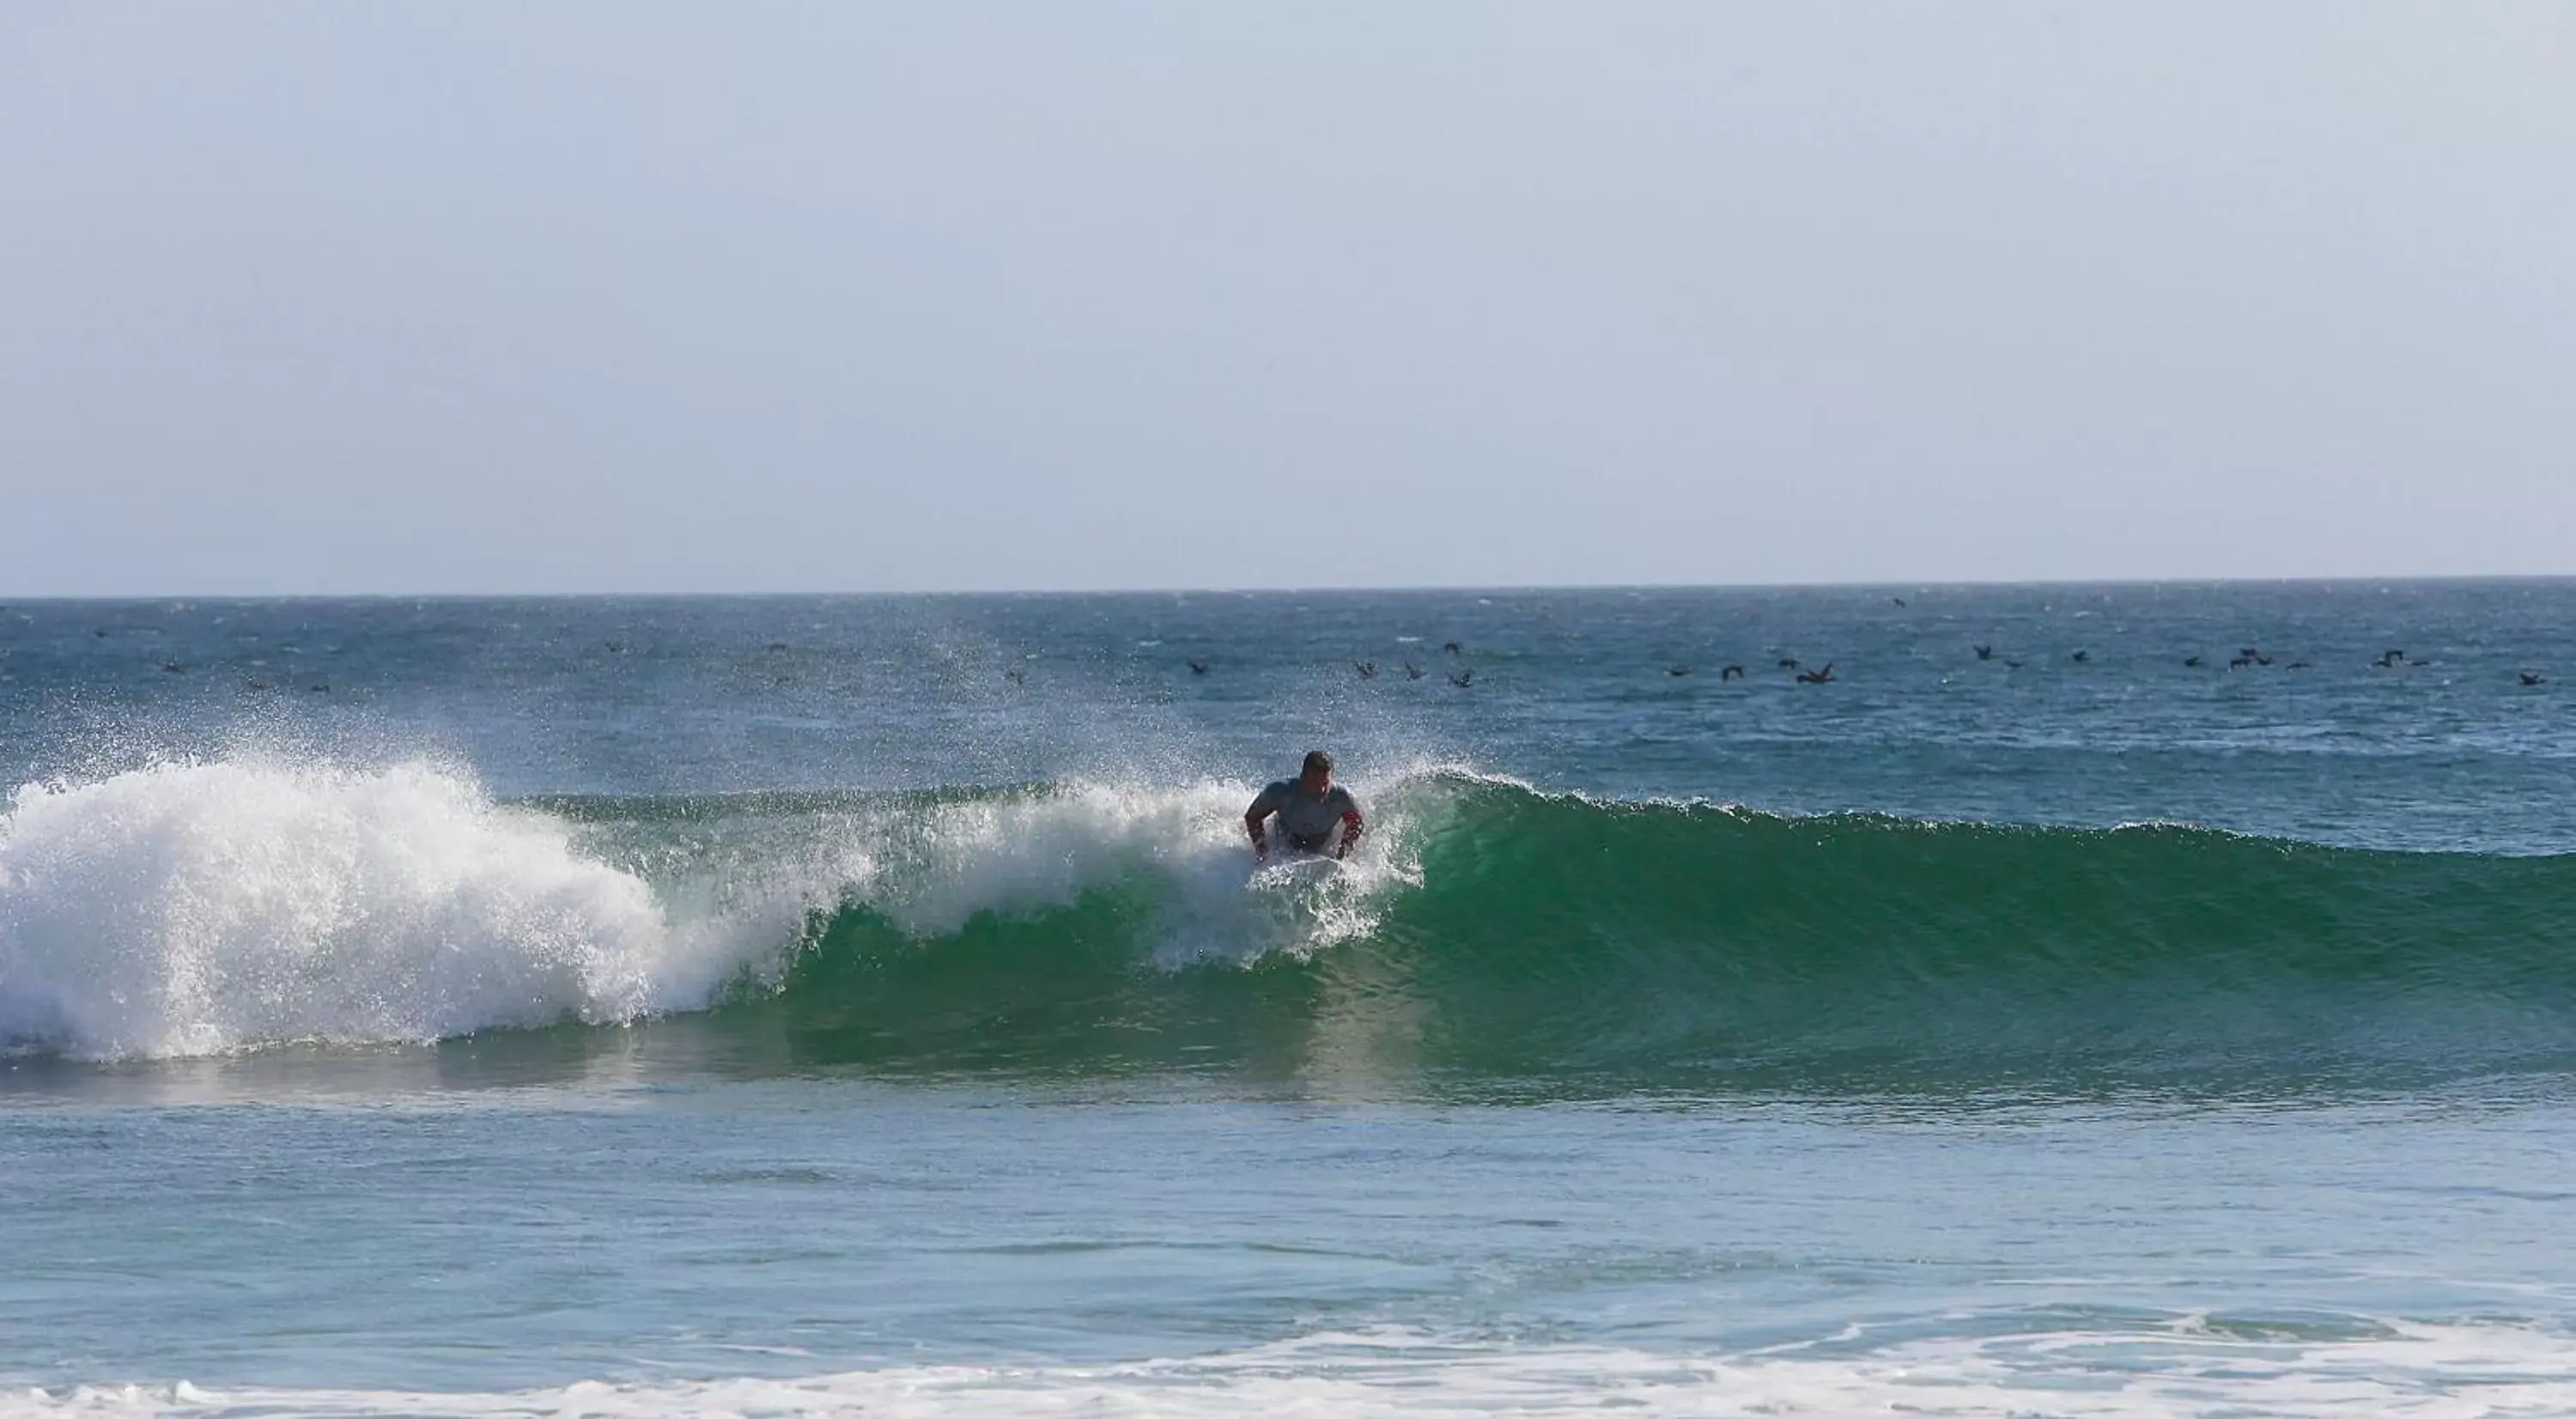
(205, 907)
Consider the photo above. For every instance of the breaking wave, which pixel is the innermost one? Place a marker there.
(1485, 930)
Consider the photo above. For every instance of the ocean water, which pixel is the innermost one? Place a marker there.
(869, 1005)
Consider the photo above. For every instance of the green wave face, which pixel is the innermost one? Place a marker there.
(1528, 937)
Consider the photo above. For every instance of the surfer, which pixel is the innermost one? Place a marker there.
(1310, 807)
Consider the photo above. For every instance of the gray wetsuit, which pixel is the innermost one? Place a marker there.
(1307, 823)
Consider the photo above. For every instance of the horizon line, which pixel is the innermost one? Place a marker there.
(1524, 588)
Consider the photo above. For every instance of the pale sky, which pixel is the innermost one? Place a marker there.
(331, 298)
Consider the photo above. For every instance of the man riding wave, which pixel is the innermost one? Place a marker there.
(1314, 815)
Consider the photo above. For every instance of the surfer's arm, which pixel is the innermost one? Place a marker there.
(1352, 827)
(1263, 805)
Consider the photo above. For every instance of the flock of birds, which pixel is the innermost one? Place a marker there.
(2246, 658)
(254, 684)
(1464, 676)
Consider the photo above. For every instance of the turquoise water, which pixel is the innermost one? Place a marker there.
(867, 1005)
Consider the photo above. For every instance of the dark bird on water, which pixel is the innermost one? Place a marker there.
(2082, 657)
(1016, 675)
(1366, 668)
(1412, 671)
(1453, 647)
(1899, 600)
(2242, 662)
(172, 667)
(2012, 665)
(1677, 671)
(2531, 677)
(1198, 667)
(1984, 652)
(1463, 679)
(1788, 662)
(2193, 662)
(1732, 672)
(1817, 677)
(317, 689)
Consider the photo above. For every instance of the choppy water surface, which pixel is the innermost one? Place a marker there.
(869, 1005)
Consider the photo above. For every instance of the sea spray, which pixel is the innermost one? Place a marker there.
(197, 908)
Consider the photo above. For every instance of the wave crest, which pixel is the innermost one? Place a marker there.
(197, 908)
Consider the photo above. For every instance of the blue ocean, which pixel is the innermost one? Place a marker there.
(2035, 1000)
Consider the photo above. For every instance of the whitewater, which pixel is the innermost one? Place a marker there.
(871, 1005)
(204, 908)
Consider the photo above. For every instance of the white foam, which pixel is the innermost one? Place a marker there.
(2436, 1372)
(206, 907)
(1020, 854)
(202, 907)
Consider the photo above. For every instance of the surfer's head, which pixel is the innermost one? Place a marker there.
(1317, 774)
